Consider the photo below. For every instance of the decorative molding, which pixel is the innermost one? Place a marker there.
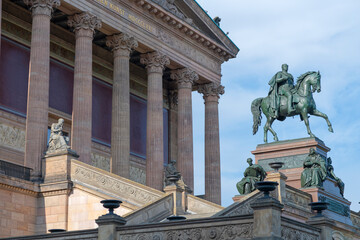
(12, 137)
(184, 77)
(211, 90)
(297, 199)
(19, 189)
(84, 24)
(42, 7)
(138, 175)
(291, 233)
(154, 61)
(227, 232)
(121, 44)
(100, 161)
(115, 185)
(152, 6)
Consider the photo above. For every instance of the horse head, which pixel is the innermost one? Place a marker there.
(314, 81)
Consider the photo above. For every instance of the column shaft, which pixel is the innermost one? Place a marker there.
(212, 93)
(185, 78)
(120, 128)
(212, 152)
(82, 97)
(81, 127)
(155, 126)
(38, 88)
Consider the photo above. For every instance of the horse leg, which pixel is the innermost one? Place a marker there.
(268, 127)
(304, 115)
(324, 116)
(272, 130)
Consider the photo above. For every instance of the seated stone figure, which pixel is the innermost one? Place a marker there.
(315, 172)
(57, 142)
(171, 171)
(331, 174)
(254, 173)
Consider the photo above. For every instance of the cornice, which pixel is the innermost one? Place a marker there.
(184, 27)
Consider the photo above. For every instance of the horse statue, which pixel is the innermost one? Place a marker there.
(303, 104)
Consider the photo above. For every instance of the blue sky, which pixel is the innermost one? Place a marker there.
(307, 35)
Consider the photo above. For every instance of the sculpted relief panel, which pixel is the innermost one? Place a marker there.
(291, 233)
(229, 232)
(137, 175)
(111, 184)
(100, 161)
(12, 137)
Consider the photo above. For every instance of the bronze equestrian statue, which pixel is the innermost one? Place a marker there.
(286, 100)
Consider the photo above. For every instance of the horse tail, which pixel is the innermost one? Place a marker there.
(256, 111)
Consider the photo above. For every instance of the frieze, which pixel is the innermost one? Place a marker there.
(297, 199)
(228, 232)
(291, 233)
(100, 161)
(295, 161)
(189, 51)
(12, 137)
(355, 220)
(116, 186)
(335, 206)
(137, 175)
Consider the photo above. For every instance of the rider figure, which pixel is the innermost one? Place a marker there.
(281, 84)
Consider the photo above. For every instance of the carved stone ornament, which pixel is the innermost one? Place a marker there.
(184, 77)
(154, 61)
(173, 99)
(290, 233)
(84, 20)
(171, 7)
(123, 43)
(211, 89)
(12, 137)
(42, 7)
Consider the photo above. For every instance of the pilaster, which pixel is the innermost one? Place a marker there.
(122, 45)
(84, 25)
(185, 78)
(155, 63)
(38, 90)
(211, 94)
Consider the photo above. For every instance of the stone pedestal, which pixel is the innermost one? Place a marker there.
(107, 226)
(292, 153)
(325, 224)
(279, 177)
(267, 219)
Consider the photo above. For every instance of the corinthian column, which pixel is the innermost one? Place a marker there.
(155, 63)
(121, 44)
(185, 164)
(84, 25)
(38, 90)
(211, 96)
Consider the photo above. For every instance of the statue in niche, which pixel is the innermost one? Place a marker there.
(315, 171)
(57, 141)
(254, 173)
(171, 174)
(331, 174)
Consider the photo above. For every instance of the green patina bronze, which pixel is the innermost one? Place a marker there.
(286, 100)
(252, 174)
(315, 171)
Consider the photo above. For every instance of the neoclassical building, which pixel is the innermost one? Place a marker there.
(121, 74)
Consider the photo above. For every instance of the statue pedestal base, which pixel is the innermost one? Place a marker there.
(292, 153)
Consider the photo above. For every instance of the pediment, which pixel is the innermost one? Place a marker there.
(192, 13)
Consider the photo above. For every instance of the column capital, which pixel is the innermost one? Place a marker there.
(121, 44)
(211, 91)
(42, 7)
(154, 61)
(184, 77)
(84, 24)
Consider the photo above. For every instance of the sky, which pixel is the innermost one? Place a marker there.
(308, 35)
